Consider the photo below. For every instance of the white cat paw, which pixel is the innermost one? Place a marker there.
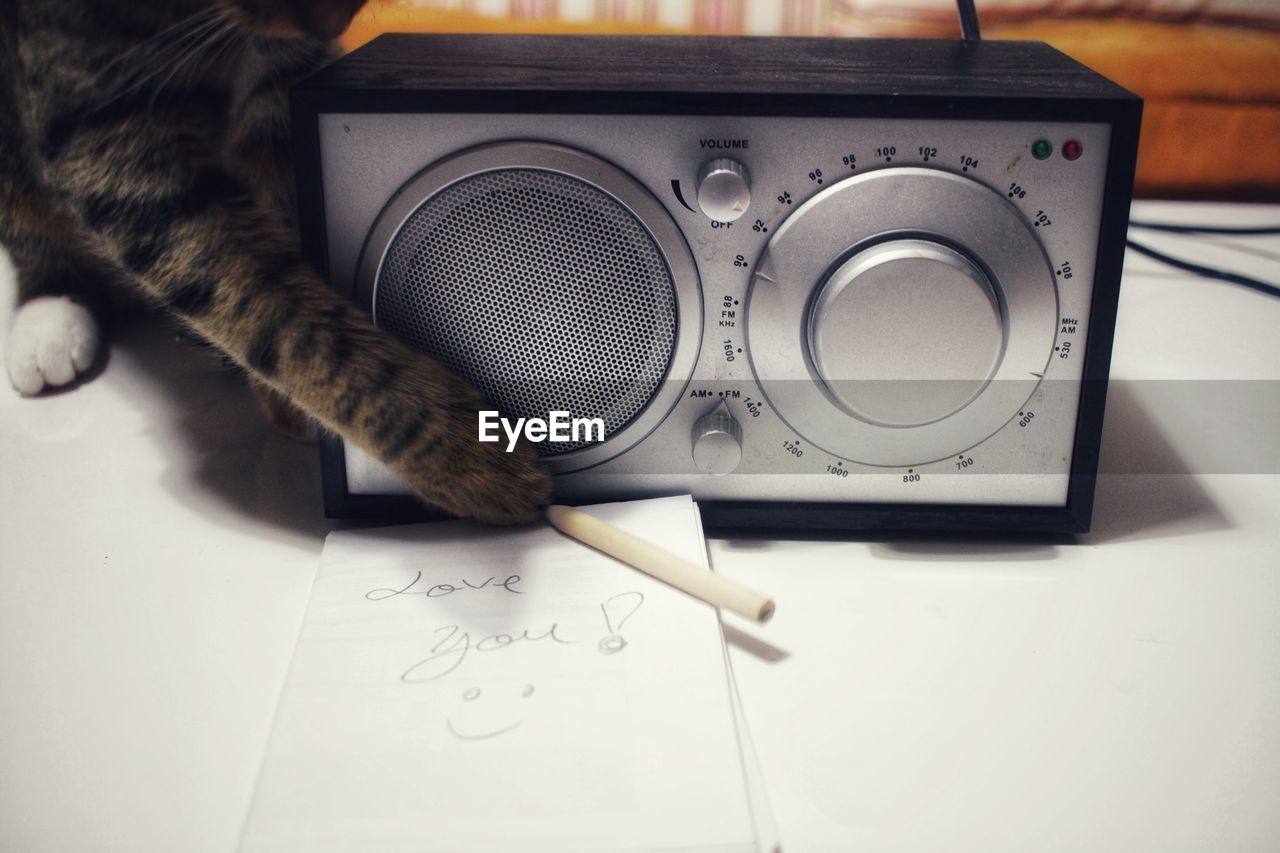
(52, 341)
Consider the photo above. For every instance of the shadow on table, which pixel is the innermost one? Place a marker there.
(225, 451)
(753, 645)
(1145, 489)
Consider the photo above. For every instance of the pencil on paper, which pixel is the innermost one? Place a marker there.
(661, 564)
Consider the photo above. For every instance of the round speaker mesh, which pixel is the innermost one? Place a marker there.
(542, 289)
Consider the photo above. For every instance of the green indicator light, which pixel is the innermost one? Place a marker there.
(1041, 149)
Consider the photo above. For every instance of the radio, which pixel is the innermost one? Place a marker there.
(817, 283)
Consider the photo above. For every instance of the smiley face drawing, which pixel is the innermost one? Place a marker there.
(482, 713)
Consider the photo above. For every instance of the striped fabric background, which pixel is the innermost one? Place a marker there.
(850, 17)
(717, 16)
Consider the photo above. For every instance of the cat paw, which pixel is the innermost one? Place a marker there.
(53, 340)
(475, 479)
(496, 487)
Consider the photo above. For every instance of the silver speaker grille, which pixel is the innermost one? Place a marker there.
(541, 288)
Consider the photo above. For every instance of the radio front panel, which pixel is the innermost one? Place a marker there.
(829, 310)
(816, 283)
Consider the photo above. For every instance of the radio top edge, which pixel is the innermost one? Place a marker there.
(715, 65)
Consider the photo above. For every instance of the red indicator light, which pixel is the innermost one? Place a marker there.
(1072, 149)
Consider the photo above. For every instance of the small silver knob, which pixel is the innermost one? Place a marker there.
(717, 442)
(724, 190)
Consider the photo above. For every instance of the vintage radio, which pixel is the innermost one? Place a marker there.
(817, 283)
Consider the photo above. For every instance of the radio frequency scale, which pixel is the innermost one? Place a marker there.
(816, 283)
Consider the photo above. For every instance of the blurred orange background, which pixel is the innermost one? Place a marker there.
(1210, 78)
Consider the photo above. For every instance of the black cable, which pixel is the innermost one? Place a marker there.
(1207, 272)
(1178, 228)
(968, 20)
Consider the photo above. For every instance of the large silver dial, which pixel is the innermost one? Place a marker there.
(901, 316)
(905, 332)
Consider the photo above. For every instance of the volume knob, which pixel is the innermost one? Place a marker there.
(717, 442)
(724, 190)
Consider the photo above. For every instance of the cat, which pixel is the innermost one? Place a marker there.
(146, 144)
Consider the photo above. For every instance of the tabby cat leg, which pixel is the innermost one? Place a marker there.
(193, 239)
(282, 414)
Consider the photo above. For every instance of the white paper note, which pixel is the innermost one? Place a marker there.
(458, 688)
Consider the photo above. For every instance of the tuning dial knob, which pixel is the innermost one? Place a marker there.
(906, 333)
(717, 442)
(724, 190)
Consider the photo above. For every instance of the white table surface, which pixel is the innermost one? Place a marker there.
(1119, 692)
